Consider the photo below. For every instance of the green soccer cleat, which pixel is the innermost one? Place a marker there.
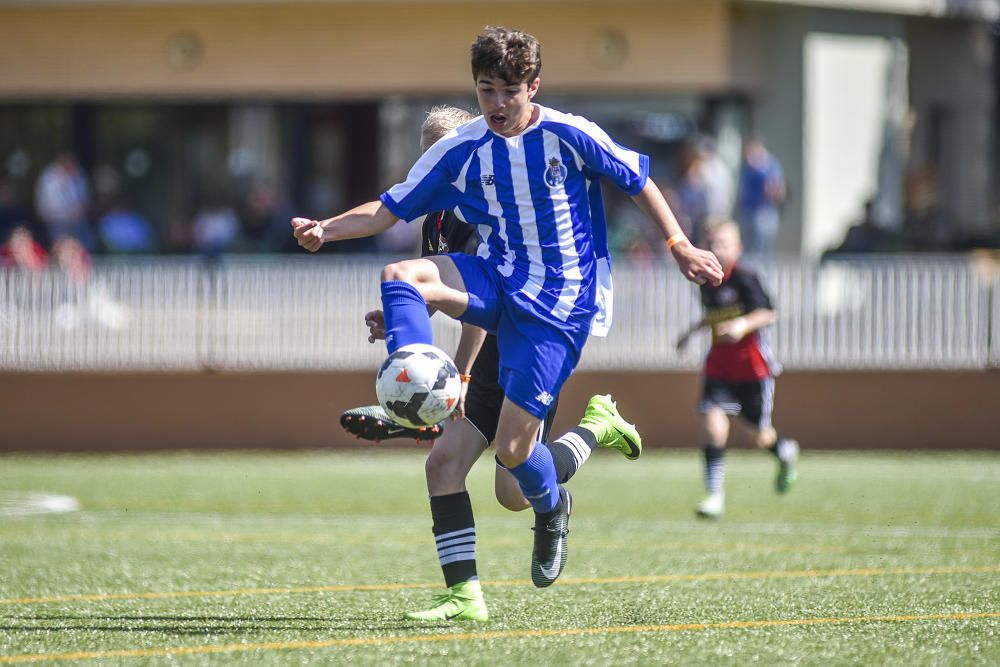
(612, 432)
(788, 453)
(462, 602)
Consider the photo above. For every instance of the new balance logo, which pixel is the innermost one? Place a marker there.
(545, 398)
(488, 179)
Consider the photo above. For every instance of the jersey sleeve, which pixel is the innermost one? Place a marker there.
(429, 186)
(626, 168)
(752, 292)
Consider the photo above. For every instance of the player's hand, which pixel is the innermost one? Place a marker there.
(731, 331)
(309, 233)
(460, 408)
(375, 321)
(698, 266)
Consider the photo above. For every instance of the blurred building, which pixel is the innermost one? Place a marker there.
(180, 103)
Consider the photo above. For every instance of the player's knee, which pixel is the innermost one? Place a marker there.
(397, 271)
(509, 455)
(764, 438)
(440, 468)
(715, 429)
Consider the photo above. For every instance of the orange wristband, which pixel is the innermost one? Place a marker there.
(465, 378)
(675, 239)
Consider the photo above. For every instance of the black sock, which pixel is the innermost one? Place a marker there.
(715, 468)
(455, 536)
(571, 451)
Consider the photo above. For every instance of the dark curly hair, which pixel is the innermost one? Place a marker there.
(509, 54)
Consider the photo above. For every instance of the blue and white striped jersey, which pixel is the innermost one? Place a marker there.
(536, 202)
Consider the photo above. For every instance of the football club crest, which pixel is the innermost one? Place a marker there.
(555, 175)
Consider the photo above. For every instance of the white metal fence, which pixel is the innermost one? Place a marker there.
(306, 314)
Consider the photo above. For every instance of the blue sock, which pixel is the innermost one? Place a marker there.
(406, 318)
(537, 479)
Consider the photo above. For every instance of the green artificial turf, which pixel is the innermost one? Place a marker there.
(312, 558)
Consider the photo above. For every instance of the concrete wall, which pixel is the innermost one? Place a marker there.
(78, 412)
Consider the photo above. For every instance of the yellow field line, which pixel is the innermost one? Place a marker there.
(479, 636)
(652, 578)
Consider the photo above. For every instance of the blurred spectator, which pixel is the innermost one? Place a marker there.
(718, 179)
(62, 200)
(12, 213)
(215, 228)
(926, 223)
(123, 230)
(22, 251)
(72, 259)
(689, 198)
(265, 220)
(762, 191)
(865, 236)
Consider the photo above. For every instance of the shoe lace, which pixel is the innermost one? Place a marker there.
(553, 530)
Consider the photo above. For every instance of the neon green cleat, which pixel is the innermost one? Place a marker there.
(462, 602)
(602, 419)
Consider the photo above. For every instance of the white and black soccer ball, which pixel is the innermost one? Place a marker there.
(418, 385)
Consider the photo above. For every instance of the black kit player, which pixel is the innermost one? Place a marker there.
(460, 443)
(739, 369)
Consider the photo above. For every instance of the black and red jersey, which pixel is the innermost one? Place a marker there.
(443, 232)
(750, 359)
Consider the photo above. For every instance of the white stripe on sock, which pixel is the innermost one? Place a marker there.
(455, 533)
(466, 539)
(578, 446)
(462, 548)
(444, 560)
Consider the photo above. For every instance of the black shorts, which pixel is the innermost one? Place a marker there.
(485, 397)
(754, 401)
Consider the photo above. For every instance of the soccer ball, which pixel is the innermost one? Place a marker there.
(418, 385)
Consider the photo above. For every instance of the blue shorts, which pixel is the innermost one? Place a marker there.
(536, 356)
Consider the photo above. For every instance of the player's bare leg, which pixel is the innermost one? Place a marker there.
(508, 491)
(452, 457)
(448, 464)
(715, 425)
(436, 279)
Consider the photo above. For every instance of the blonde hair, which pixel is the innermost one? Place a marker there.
(717, 224)
(440, 121)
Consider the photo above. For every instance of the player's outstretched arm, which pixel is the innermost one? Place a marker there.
(695, 327)
(698, 266)
(368, 219)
